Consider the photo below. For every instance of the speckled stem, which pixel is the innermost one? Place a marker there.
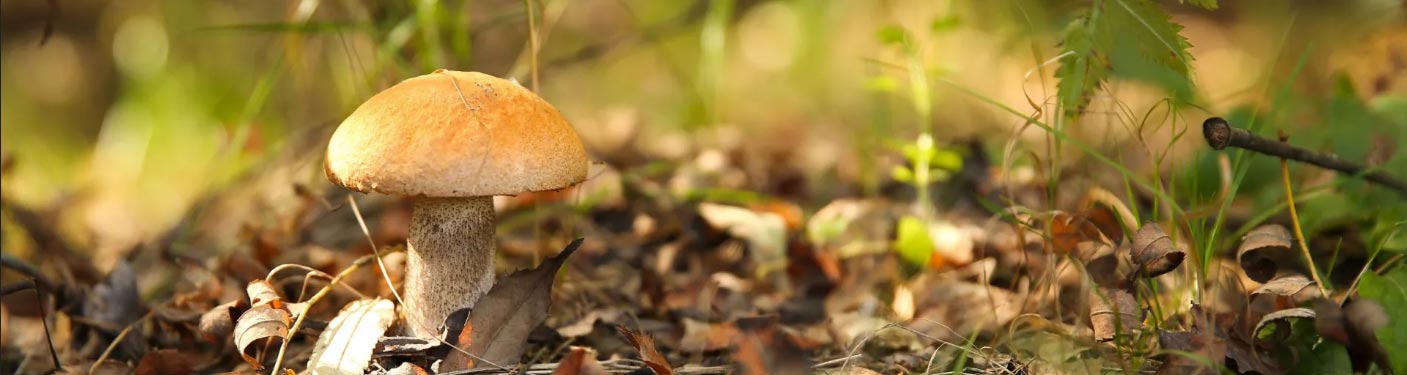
(450, 263)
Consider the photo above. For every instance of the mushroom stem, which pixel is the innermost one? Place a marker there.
(450, 259)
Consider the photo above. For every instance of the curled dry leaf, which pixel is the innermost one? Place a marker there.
(218, 323)
(1114, 313)
(255, 326)
(1153, 251)
(1294, 286)
(262, 292)
(345, 347)
(645, 344)
(1282, 315)
(1261, 251)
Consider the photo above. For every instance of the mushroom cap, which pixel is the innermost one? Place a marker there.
(455, 134)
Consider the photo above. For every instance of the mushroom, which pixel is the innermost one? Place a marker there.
(453, 140)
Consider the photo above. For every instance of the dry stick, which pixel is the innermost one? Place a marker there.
(1294, 218)
(1220, 134)
(33, 283)
(120, 335)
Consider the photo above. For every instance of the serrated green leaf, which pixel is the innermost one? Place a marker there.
(1391, 291)
(913, 244)
(1132, 39)
(1143, 36)
(1082, 70)
(1204, 4)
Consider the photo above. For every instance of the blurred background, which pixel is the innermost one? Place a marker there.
(128, 113)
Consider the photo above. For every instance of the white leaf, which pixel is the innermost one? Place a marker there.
(345, 347)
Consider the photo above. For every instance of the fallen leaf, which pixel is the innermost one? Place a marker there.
(1067, 231)
(765, 349)
(1153, 251)
(501, 321)
(262, 292)
(1294, 286)
(581, 361)
(645, 344)
(164, 362)
(1261, 251)
(1273, 318)
(1199, 351)
(1114, 313)
(254, 326)
(218, 323)
(346, 345)
(765, 232)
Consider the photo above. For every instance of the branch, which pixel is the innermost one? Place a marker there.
(1220, 134)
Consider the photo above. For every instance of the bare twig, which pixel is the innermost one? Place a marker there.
(1294, 219)
(278, 363)
(1220, 134)
(120, 336)
(33, 284)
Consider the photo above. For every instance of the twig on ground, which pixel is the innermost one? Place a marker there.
(33, 283)
(1220, 134)
(120, 336)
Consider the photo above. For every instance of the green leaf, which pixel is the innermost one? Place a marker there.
(913, 244)
(1204, 4)
(946, 23)
(1326, 358)
(1145, 45)
(1391, 291)
(902, 174)
(1083, 70)
(1133, 39)
(892, 35)
(946, 159)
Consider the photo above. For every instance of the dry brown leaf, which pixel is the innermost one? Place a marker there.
(254, 326)
(1201, 341)
(1067, 231)
(500, 322)
(346, 345)
(262, 292)
(1153, 251)
(645, 344)
(1107, 212)
(164, 362)
(764, 349)
(1114, 313)
(218, 323)
(1107, 222)
(1262, 250)
(1294, 286)
(581, 361)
